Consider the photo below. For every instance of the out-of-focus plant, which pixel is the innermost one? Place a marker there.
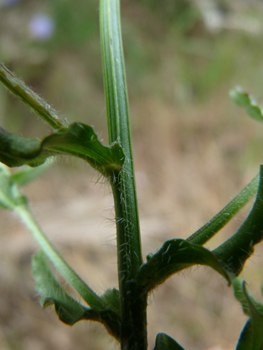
(123, 311)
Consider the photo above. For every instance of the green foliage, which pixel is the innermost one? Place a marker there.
(51, 292)
(252, 334)
(11, 197)
(68, 309)
(164, 342)
(78, 139)
(123, 311)
(237, 249)
(243, 99)
(174, 256)
(206, 232)
(112, 299)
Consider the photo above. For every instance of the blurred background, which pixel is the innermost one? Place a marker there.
(194, 150)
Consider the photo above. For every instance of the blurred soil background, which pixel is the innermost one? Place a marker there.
(193, 151)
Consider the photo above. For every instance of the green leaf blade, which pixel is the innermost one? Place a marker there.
(175, 255)
(165, 342)
(252, 334)
(68, 309)
(81, 141)
(245, 100)
(92, 299)
(256, 310)
(17, 150)
(245, 340)
(12, 198)
(234, 252)
(78, 140)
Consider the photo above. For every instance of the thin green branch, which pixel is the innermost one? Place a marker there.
(31, 99)
(206, 232)
(70, 275)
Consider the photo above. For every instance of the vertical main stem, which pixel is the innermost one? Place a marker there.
(133, 303)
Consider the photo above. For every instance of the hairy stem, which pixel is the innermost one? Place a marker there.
(133, 304)
(31, 99)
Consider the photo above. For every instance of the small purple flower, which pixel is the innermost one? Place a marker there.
(41, 26)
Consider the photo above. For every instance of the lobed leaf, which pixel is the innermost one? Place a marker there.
(175, 255)
(234, 252)
(165, 342)
(245, 100)
(78, 140)
(67, 308)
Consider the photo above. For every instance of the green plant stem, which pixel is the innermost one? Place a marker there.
(133, 303)
(206, 232)
(31, 99)
(70, 275)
